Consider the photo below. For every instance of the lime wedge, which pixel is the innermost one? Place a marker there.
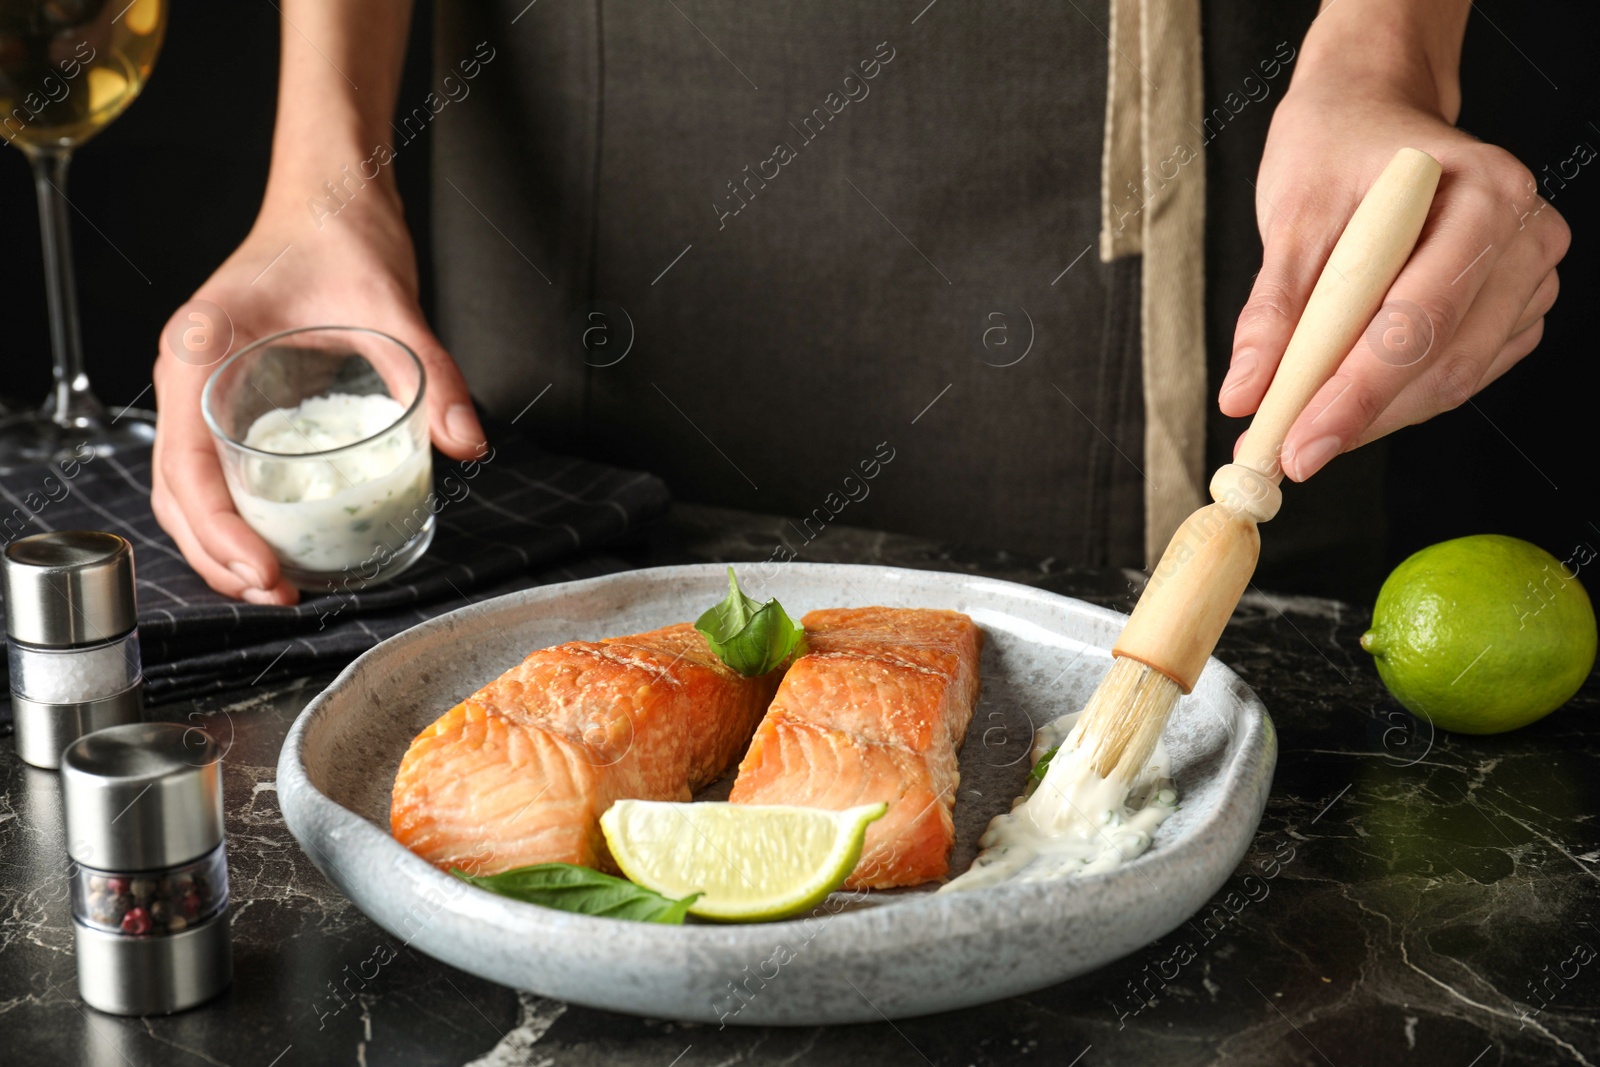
(750, 862)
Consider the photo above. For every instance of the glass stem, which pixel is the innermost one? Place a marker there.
(70, 399)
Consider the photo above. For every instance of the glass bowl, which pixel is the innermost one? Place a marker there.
(323, 436)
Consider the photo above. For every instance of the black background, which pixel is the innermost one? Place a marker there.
(166, 192)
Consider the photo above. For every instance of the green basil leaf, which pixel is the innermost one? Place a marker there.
(749, 636)
(1036, 775)
(568, 887)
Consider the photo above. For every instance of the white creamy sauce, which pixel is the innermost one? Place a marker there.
(330, 514)
(1075, 822)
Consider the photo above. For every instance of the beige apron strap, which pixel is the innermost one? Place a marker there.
(1153, 202)
(1121, 227)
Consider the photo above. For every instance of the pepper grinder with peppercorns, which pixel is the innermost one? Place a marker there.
(149, 868)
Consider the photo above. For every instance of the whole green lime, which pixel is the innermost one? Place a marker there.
(1482, 634)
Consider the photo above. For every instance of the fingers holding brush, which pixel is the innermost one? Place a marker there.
(1458, 317)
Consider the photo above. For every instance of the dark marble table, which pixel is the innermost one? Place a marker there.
(1409, 900)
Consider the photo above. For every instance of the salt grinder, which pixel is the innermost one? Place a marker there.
(149, 867)
(70, 639)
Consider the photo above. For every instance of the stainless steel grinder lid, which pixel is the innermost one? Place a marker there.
(68, 588)
(142, 796)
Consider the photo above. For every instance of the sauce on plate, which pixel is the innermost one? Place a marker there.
(1075, 822)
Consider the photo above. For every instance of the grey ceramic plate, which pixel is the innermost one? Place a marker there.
(904, 953)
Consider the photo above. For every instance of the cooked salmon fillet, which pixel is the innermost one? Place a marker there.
(521, 771)
(874, 711)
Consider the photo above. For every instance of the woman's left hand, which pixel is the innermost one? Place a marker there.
(1468, 305)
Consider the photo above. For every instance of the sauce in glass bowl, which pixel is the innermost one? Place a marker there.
(334, 513)
(322, 432)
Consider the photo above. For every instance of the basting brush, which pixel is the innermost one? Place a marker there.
(1206, 567)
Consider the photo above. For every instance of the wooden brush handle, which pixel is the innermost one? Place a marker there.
(1208, 564)
(1375, 244)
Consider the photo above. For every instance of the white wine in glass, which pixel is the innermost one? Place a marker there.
(67, 69)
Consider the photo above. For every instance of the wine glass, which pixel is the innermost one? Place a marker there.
(67, 69)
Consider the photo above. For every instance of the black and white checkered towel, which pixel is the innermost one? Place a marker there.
(528, 518)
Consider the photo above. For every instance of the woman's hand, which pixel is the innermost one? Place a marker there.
(356, 268)
(1470, 302)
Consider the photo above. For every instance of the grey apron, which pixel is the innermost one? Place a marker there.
(769, 250)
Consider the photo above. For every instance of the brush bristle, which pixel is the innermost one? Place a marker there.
(1124, 718)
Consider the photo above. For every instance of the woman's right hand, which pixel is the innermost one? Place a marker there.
(352, 268)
